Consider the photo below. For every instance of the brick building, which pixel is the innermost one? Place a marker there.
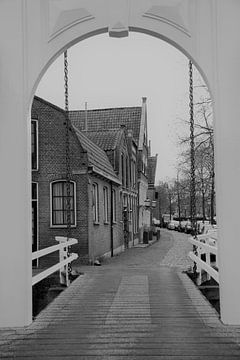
(134, 120)
(95, 216)
(121, 150)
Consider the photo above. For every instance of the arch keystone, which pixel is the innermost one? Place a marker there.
(118, 30)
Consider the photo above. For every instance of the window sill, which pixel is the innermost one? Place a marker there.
(96, 223)
(106, 222)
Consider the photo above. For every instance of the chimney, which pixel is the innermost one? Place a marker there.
(149, 148)
(86, 120)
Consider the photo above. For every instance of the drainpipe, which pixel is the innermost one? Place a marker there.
(111, 220)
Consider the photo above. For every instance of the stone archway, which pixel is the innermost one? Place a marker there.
(33, 34)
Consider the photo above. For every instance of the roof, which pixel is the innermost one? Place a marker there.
(151, 169)
(111, 118)
(107, 140)
(97, 157)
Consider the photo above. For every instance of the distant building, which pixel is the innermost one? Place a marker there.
(151, 193)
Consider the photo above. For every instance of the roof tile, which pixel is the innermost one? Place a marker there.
(96, 156)
(112, 118)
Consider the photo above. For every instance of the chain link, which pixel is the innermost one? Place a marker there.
(192, 154)
(67, 154)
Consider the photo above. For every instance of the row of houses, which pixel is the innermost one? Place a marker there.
(112, 175)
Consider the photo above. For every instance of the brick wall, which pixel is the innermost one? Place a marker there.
(100, 233)
(52, 167)
(93, 240)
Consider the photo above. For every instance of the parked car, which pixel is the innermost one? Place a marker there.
(202, 226)
(188, 227)
(181, 226)
(173, 225)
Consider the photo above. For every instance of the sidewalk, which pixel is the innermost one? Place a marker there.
(137, 305)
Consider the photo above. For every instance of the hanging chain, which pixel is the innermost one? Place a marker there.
(68, 165)
(192, 154)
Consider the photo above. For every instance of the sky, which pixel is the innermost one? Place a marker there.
(109, 72)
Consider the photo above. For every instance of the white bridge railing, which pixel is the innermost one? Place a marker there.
(62, 265)
(205, 244)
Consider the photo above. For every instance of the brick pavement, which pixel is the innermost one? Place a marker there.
(138, 305)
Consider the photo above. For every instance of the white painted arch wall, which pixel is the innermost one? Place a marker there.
(33, 34)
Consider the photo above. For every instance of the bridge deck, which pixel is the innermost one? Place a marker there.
(138, 305)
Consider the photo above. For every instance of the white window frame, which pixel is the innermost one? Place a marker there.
(95, 202)
(37, 146)
(74, 200)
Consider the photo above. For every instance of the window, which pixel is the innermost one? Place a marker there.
(114, 206)
(95, 203)
(60, 204)
(122, 169)
(130, 208)
(34, 144)
(127, 173)
(144, 164)
(105, 204)
(133, 173)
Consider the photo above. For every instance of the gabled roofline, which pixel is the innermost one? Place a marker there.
(104, 109)
(49, 104)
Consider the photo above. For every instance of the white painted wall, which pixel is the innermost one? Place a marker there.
(32, 34)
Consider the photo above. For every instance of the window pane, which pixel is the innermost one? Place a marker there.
(95, 203)
(72, 217)
(34, 144)
(57, 218)
(57, 189)
(114, 204)
(34, 191)
(66, 203)
(64, 184)
(105, 204)
(57, 203)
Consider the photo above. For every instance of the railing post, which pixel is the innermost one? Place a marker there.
(63, 254)
(199, 269)
(208, 261)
